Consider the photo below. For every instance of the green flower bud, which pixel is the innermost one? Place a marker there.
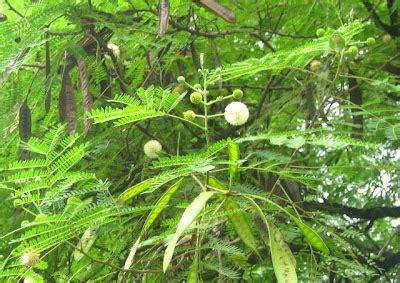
(320, 32)
(196, 97)
(197, 87)
(189, 115)
(40, 217)
(181, 79)
(24, 223)
(18, 202)
(370, 41)
(218, 70)
(237, 94)
(353, 50)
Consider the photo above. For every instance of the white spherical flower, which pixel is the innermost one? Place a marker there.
(152, 148)
(236, 113)
(30, 258)
(114, 48)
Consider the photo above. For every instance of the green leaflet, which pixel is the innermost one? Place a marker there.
(283, 260)
(237, 218)
(135, 190)
(188, 216)
(161, 203)
(312, 237)
(234, 155)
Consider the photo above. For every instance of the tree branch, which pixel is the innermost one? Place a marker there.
(363, 213)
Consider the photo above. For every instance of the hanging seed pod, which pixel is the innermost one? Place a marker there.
(219, 10)
(163, 17)
(47, 102)
(67, 103)
(236, 216)
(87, 98)
(25, 127)
(25, 122)
(234, 155)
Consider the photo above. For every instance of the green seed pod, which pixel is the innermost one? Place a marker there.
(181, 79)
(320, 32)
(237, 94)
(189, 115)
(370, 41)
(236, 216)
(353, 50)
(196, 97)
(337, 42)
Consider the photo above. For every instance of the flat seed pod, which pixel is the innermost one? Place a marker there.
(67, 103)
(282, 257)
(160, 205)
(234, 155)
(25, 122)
(236, 217)
(313, 238)
(163, 17)
(283, 260)
(188, 216)
(219, 10)
(86, 96)
(135, 190)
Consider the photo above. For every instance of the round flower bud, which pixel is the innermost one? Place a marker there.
(387, 38)
(197, 87)
(337, 42)
(29, 279)
(189, 115)
(18, 202)
(181, 79)
(353, 50)
(24, 223)
(237, 94)
(40, 217)
(236, 113)
(30, 258)
(218, 70)
(315, 66)
(152, 148)
(370, 41)
(196, 97)
(320, 32)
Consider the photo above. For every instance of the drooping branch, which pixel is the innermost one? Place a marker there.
(371, 213)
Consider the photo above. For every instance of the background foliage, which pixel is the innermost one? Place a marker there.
(309, 185)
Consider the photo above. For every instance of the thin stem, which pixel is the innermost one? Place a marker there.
(177, 117)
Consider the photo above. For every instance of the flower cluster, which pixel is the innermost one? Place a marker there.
(30, 258)
(152, 148)
(236, 113)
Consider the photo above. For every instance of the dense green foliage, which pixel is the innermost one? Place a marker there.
(207, 141)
